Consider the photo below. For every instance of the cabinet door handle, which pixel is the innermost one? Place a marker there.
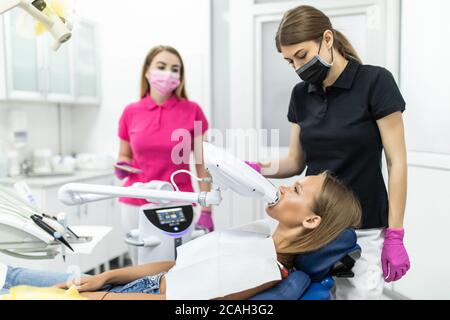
(46, 80)
(41, 80)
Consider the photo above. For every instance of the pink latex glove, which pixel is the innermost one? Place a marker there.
(122, 174)
(254, 165)
(205, 220)
(394, 258)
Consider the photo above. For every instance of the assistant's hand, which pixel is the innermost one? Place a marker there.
(394, 258)
(256, 166)
(205, 220)
(86, 284)
(122, 174)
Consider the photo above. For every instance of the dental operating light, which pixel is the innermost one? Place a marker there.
(57, 26)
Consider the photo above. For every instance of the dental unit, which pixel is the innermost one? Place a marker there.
(167, 222)
(26, 232)
(227, 172)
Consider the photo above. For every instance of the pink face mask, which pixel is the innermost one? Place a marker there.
(165, 82)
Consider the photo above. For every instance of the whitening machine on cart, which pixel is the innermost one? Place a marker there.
(162, 228)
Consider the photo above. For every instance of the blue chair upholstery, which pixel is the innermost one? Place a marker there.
(312, 278)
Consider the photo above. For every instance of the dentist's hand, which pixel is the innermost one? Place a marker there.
(205, 220)
(254, 165)
(394, 258)
(86, 284)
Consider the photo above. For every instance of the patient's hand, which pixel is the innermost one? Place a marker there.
(87, 284)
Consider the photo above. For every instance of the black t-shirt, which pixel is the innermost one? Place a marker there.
(339, 132)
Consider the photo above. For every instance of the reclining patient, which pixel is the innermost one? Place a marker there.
(310, 214)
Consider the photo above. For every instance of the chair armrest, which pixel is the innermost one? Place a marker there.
(343, 268)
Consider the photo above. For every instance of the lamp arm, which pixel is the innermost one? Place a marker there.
(28, 7)
(35, 13)
(53, 23)
(78, 193)
(7, 5)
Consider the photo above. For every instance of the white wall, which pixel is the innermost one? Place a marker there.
(220, 64)
(126, 34)
(425, 69)
(42, 125)
(424, 84)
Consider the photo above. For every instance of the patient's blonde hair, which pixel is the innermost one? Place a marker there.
(339, 209)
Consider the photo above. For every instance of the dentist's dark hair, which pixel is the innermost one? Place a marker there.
(305, 23)
(180, 92)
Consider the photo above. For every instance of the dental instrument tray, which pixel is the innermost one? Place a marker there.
(25, 230)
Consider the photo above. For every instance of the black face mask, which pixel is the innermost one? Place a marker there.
(316, 70)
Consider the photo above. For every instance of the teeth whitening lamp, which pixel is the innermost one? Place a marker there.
(165, 224)
(227, 172)
(168, 221)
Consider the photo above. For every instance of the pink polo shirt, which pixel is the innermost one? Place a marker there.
(148, 128)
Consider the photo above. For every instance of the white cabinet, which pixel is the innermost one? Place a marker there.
(87, 84)
(24, 62)
(33, 71)
(59, 74)
(2, 61)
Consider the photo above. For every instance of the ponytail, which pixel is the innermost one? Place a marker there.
(344, 47)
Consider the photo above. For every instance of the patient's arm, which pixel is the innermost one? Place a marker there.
(126, 275)
(243, 295)
(247, 294)
(119, 276)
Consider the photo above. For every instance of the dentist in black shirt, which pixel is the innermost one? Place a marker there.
(343, 115)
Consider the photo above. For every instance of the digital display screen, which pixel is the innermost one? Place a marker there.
(172, 216)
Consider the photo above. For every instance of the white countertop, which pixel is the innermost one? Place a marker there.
(51, 181)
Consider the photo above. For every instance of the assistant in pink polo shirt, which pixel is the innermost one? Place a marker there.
(148, 126)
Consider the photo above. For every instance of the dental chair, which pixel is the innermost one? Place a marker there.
(314, 271)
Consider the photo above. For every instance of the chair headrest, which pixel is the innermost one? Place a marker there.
(318, 264)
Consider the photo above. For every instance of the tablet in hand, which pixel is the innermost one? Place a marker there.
(127, 168)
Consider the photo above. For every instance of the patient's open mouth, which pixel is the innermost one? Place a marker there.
(277, 200)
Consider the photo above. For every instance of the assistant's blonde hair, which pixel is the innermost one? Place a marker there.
(145, 87)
